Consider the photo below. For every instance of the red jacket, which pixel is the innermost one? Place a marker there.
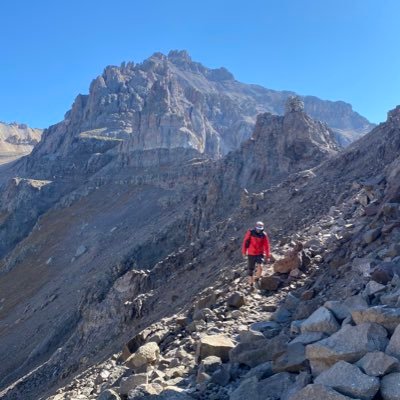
(256, 244)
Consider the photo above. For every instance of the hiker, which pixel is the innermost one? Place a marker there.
(256, 248)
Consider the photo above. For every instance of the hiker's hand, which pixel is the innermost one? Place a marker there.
(244, 256)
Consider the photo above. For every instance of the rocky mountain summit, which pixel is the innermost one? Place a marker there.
(170, 101)
(17, 140)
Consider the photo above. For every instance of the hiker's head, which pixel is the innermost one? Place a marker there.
(259, 226)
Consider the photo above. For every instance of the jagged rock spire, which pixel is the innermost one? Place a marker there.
(294, 104)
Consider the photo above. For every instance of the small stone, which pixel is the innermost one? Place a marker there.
(236, 300)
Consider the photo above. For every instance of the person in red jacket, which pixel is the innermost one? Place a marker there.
(257, 249)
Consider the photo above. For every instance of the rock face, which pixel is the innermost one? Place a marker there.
(17, 140)
(171, 101)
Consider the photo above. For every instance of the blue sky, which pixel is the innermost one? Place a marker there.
(334, 49)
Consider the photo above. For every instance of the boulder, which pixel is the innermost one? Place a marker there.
(390, 387)
(378, 363)
(214, 345)
(251, 336)
(210, 364)
(318, 392)
(292, 360)
(255, 353)
(385, 316)
(261, 371)
(372, 288)
(338, 309)
(393, 348)
(131, 382)
(270, 283)
(371, 235)
(222, 375)
(321, 320)
(271, 388)
(236, 300)
(109, 394)
(146, 354)
(384, 272)
(293, 260)
(349, 380)
(349, 344)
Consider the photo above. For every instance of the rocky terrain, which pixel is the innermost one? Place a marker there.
(130, 207)
(323, 322)
(17, 140)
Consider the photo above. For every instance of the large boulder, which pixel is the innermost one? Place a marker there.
(390, 387)
(292, 261)
(145, 355)
(378, 363)
(350, 381)
(321, 320)
(214, 345)
(318, 392)
(349, 344)
(385, 316)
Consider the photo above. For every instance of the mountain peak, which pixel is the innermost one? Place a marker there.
(294, 104)
(179, 56)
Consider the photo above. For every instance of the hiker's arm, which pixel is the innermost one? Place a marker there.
(246, 238)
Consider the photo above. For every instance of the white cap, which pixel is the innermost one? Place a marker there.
(259, 225)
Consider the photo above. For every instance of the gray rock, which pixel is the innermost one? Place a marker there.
(318, 392)
(145, 355)
(302, 380)
(236, 300)
(385, 316)
(322, 320)
(309, 337)
(338, 309)
(210, 364)
(255, 353)
(349, 380)
(390, 387)
(270, 283)
(80, 250)
(374, 288)
(108, 394)
(214, 345)
(378, 363)
(261, 371)
(263, 326)
(349, 344)
(221, 376)
(393, 347)
(390, 299)
(371, 235)
(292, 360)
(271, 388)
(251, 336)
(129, 383)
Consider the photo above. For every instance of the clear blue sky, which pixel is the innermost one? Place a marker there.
(50, 50)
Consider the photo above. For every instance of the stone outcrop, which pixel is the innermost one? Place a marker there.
(17, 140)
